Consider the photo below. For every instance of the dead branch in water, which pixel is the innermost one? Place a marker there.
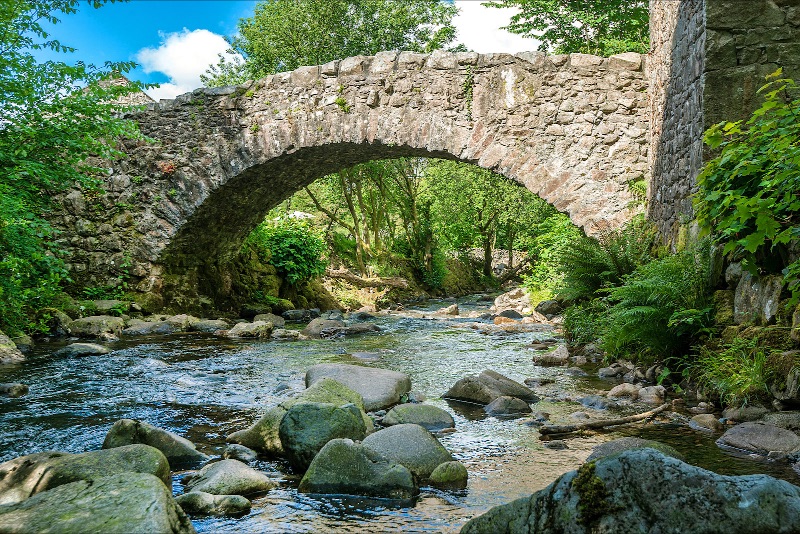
(596, 425)
(358, 281)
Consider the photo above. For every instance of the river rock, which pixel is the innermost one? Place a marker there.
(486, 387)
(209, 326)
(202, 503)
(507, 406)
(97, 326)
(549, 308)
(257, 329)
(450, 476)
(56, 321)
(316, 326)
(182, 322)
(653, 394)
(745, 414)
(82, 349)
(761, 439)
(234, 451)
(308, 426)
(13, 390)
(23, 342)
(150, 328)
(264, 435)
(229, 477)
(449, 310)
(352, 330)
(624, 390)
(516, 300)
(595, 402)
(9, 353)
(284, 334)
(345, 467)
(706, 421)
(380, 388)
(617, 446)
(558, 356)
(411, 446)
(276, 320)
(788, 390)
(298, 316)
(787, 420)
(116, 504)
(25, 476)
(645, 491)
(178, 450)
(429, 417)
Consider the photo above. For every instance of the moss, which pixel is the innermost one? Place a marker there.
(723, 307)
(591, 490)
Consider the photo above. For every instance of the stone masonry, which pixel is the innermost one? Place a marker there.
(571, 128)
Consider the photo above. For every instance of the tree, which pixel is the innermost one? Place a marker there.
(285, 34)
(601, 27)
(56, 120)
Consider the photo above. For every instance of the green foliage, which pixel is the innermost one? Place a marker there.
(737, 372)
(292, 247)
(549, 240)
(662, 307)
(585, 322)
(54, 117)
(285, 34)
(600, 27)
(748, 195)
(590, 264)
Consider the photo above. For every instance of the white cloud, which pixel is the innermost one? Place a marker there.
(479, 29)
(183, 57)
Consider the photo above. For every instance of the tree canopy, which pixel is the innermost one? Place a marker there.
(601, 27)
(285, 34)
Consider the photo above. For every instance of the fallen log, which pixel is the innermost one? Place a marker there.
(596, 425)
(358, 281)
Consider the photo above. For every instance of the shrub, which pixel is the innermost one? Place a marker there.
(736, 372)
(585, 322)
(292, 247)
(747, 195)
(662, 307)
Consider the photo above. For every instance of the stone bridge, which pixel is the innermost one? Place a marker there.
(570, 128)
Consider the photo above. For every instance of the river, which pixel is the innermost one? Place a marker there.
(204, 387)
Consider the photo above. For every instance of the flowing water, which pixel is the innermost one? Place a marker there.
(204, 387)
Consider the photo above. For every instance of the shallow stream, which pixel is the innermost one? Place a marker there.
(204, 387)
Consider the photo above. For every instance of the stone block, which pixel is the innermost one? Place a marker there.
(584, 61)
(352, 66)
(626, 61)
(757, 299)
(384, 62)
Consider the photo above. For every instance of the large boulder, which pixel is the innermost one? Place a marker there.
(516, 300)
(97, 326)
(9, 353)
(276, 320)
(308, 426)
(257, 329)
(149, 328)
(760, 438)
(411, 446)
(115, 504)
(263, 435)
(317, 325)
(209, 326)
(229, 477)
(488, 386)
(380, 388)
(25, 476)
(82, 349)
(345, 467)
(556, 357)
(182, 322)
(645, 491)
(757, 299)
(202, 503)
(427, 416)
(617, 446)
(179, 451)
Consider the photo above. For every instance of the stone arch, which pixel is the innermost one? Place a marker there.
(570, 128)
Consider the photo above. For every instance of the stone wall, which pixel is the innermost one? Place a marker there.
(708, 59)
(571, 128)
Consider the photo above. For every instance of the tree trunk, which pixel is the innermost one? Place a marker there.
(487, 255)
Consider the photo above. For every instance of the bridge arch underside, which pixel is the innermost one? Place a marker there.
(572, 129)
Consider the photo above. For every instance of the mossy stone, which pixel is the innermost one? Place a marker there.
(449, 475)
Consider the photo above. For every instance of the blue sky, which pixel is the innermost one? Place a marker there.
(174, 41)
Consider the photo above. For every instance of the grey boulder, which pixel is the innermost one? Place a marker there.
(380, 388)
(82, 349)
(229, 477)
(761, 439)
(488, 386)
(411, 446)
(9, 353)
(645, 491)
(179, 451)
(116, 504)
(202, 503)
(507, 406)
(97, 326)
(345, 467)
(147, 328)
(209, 326)
(427, 416)
(617, 446)
(317, 325)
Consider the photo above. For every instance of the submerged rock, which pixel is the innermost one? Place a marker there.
(427, 416)
(617, 446)
(411, 446)
(486, 387)
(380, 388)
(645, 491)
(202, 503)
(13, 390)
(507, 406)
(345, 467)
(116, 504)
(707, 422)
(179, 451)
(82, 349)
(229, 477)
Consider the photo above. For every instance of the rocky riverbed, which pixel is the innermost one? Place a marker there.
(204, 387)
